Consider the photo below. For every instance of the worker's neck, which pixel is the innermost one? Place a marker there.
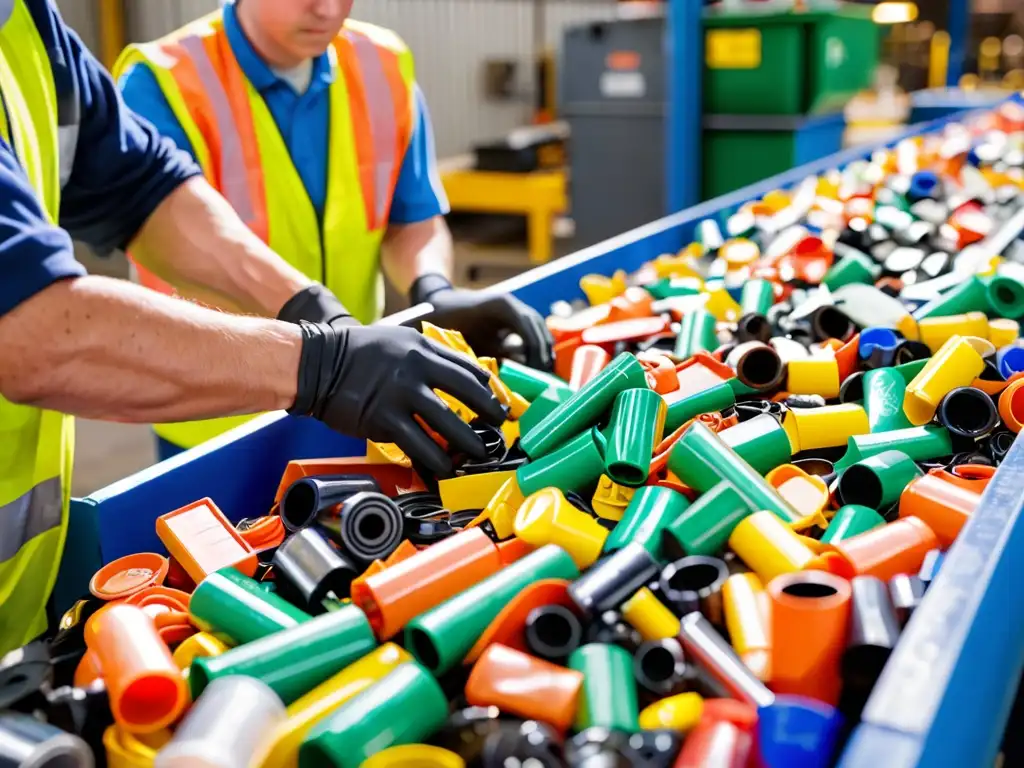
(275, 56)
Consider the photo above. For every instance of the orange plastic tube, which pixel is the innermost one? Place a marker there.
(202, 540)
(810, 615)
(145, 686)
(392, 478)
(1011, 406)
(524, 685)
(587, 361)
(944, 506)
(883, 552)
(715, 744)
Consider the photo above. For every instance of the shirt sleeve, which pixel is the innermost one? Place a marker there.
(143, 95)
(419, 194)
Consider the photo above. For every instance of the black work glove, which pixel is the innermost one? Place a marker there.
(316, 304)
(371, 381)
(485, 319)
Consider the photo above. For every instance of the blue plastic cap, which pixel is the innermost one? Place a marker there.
(886, 338)
(797, 732)
(1010, 360)
(923, 184)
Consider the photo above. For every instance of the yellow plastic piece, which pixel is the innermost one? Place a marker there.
(1003, 331)
(472, 491)
(936, 331)
(814, 376)
(907, 325)
(451, 339)
(600, 289)
(126, 750)
(983, 347)
(414, 756)
(282, 747)
(683, 265)
(547, 517)
(739, 252)
(723, 306)
(518, 406)
(747, 616)
(501, 510)
(201, 644)
(680, 713)
(498, 387)
(769, 547)
(649, 616)
(807, 494)
(611, 499)
(956, 364)
(811, 429)
(990, 267)
(386, 453)
(511, 431)
(777, 200)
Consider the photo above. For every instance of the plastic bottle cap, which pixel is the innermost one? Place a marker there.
(128, 575)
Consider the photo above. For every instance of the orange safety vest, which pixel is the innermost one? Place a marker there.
(242, 154)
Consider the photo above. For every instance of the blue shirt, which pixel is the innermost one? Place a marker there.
(123, 170)
(304, 122)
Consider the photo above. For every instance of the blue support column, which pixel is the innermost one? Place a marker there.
(959, 32)
(684, 46)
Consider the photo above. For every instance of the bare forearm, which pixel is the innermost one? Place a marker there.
(411, 250)
(196, 242)
(107, 349)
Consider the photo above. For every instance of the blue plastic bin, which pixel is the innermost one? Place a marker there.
(946, 694)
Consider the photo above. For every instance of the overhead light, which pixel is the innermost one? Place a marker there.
(894, 13)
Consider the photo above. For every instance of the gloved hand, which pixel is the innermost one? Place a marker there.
(371, 381)
(316, 304)
(485, 319)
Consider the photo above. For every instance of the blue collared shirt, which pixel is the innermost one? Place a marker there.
(304, 121)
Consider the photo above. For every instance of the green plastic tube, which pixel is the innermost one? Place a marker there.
(526, 381)
(406, 706)
(760, 441)
(296, 660)
(441, 637)
(576, 466)
(919, 443)
(739, 389)
(883, 400)
(854, 267)
(849, 521)
(716, 398)
(878, 481)
(757, 297)
(969, 296)
(586, 407)
(910, 370)
(651, 510)
(608, 697)
(236, 608)
(669, 287)
(636, 427)
(546, 402)
(700, 459)
(1005, 296)
(696, 334)
(705, 527)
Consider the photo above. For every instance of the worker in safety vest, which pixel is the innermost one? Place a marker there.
(313, 128)
(75, 162)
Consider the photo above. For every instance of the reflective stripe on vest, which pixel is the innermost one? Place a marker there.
(28, 516)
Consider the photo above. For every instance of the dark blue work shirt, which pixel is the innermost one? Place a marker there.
(123, 169)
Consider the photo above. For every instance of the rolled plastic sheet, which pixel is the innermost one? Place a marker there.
(524, 686)
(878, 481)
(874, 632)
(367, 527)
(700, 459)
(956, 364)
(547, 517)
(407, 706)
(225, 727)
(550, 399)
(441, 637)
(585, 408)
(680, 713)
(144, 685)
(612, 580)
(899, 547)
(852, 267)
(797, 732)
(936, 331)
(649, 616)
(1011, 406)
(919, 443)
(608, 698)
(942, 504)
(575, 466)
(747, 620)
(718, 397)
(526, 381)
(757, 297)
(552, 632)
(709, 650)
(716, 744)
(769, 547)
(704, 527)
(308, 497)
(849, 521)
(587, 361)
(696, 334)
(757, 365)
(1002, 332)
(660, 668)
(814, 376)
(811, 429)
(884, 389)
(636, 427)
(229, 604)
(810, 616)
(309, 569)
(651, 511)
(281, 748)
(296, 660)
(760, 441)
(695, 584)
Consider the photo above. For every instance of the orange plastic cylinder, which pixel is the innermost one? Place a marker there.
(810, 614)
(883, 552)
(715, 744)
(943, 506)
(145, 686)
(524, 685)
(1011, 406)
(587, 361)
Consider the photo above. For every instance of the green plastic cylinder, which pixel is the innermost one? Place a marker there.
(705, 527)
(910, 370)
(849, 521)
(541, 408)
(636, 427)
(1005, 296)
(586, 407)
(919, 443)
(235, 607)
(526, 381)
(608, 697)
(854, 267)
(757, 297)
(700, 459)
(969, 296)
(441, 637)
(406, 706)
(651, 510)
(760, 441)
(884, 389)
(716, 398)
(296, 660)
(576, 466)
(696, 334)
(881, 478)
(669, 287)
